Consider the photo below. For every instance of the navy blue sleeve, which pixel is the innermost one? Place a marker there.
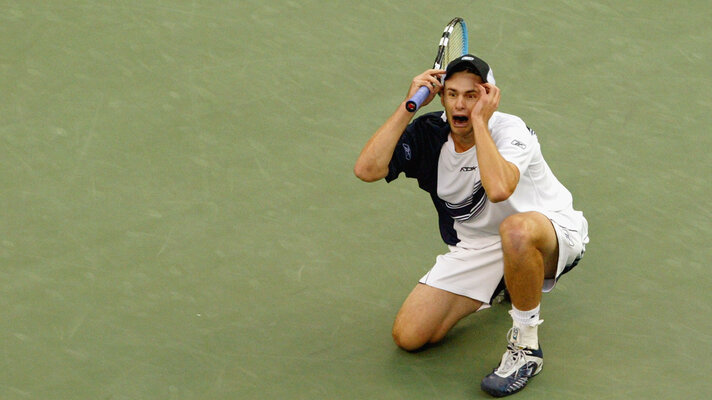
(417, 146)
(404, 157)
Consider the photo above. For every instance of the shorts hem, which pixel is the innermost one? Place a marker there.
(458, 291)
(563, 236)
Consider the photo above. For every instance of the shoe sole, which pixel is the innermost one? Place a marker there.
(500, 394)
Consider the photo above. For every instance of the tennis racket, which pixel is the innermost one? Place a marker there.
(453, 44)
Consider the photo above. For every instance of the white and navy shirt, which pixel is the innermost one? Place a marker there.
(426, 152)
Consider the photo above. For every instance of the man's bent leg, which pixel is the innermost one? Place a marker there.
(428, 314)
(531, 251)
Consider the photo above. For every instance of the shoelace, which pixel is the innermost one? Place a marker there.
(514, 354)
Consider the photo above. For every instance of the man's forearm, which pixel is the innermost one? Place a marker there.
(372, 163)
(499, 176)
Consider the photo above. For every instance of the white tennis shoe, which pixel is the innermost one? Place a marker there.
(518, 365)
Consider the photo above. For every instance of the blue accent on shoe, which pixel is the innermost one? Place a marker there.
(518, 366)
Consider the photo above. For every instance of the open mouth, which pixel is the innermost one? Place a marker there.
(460, 119)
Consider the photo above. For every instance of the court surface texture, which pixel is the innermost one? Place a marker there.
(181, 221)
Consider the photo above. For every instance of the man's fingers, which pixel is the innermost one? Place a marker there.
(430, 79)
(488, 90)
(487, 100)
(435, 84)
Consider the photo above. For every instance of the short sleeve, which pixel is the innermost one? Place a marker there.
(416, 153)
(404, 157)
(516, 142)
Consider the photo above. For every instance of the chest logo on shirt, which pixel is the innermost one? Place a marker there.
(466, 169)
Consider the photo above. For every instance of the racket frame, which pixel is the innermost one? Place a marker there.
(414, 103)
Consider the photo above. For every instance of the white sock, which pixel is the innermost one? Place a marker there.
(525, 327)
(530, 318)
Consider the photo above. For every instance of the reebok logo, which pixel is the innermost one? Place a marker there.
(519, 144)
(406, 149)
(466, 169)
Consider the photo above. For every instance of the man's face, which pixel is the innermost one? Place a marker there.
(460, 93)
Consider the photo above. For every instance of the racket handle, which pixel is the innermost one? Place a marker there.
(418, 98)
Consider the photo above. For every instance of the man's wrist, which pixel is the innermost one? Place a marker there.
(479, 125)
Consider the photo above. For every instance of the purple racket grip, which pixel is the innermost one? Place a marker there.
(418, 98)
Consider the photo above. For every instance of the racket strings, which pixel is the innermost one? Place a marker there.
(455, 46)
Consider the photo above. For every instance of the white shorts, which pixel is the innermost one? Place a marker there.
(476, 272)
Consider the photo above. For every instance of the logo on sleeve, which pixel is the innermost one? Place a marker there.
(519, 144)
(406, 149)
(466, 169)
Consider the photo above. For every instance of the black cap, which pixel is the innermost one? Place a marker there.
(473, 64)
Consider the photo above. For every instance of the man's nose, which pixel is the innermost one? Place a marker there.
(459, 102)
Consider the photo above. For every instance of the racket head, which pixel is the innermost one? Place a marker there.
(453, 43)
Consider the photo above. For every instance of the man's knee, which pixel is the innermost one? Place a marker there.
(411, 339)
(427, 315)
(408, 339)
(517, 232)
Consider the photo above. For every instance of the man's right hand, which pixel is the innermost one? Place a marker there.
(430, 79)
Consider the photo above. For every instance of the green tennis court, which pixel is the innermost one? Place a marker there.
(181, 221)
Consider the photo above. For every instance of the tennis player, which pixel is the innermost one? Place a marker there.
(504, 216)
